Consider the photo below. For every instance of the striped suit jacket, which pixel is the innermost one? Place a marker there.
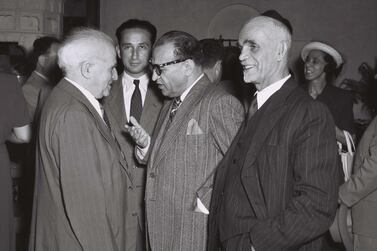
(283, 194)
(181, 165)
(81, 178)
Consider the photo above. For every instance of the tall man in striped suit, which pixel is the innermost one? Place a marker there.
(276, 187)
(192, 135)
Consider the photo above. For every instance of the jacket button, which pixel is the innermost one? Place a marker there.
(152, 175)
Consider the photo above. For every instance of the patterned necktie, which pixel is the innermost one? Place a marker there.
(174, 108)
(136, 102)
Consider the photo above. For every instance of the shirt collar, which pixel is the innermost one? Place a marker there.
(41, 75)
(184, 94)
(88, 95)
(266, 93)
(128, 80)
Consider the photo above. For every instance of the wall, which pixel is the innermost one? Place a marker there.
(349, 25)
(23, 21)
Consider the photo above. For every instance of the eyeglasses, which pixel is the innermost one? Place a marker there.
(157, 67)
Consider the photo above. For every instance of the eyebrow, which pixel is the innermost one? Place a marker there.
(249, 42)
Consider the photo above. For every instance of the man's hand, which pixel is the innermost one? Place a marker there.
(138, 134)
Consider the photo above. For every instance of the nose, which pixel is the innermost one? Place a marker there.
(135, 54)
(243, 54)
(154, 75)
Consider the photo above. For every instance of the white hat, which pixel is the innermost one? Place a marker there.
(322, 47)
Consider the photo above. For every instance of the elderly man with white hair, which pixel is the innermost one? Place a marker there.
(276, 187)
(79, 200)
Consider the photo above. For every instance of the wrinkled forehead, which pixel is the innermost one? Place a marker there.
(163, 53)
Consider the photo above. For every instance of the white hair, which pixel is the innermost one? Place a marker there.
(280, 31)
(80, 45)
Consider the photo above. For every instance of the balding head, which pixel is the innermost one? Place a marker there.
(265, 43)
(88, 57)
(83, 44)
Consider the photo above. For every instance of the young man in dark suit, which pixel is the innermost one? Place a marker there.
(134, 94)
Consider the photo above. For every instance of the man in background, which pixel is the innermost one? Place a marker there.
(45, 73)
(81, 176)
(134, 94)
(275, 189)
(192, 135)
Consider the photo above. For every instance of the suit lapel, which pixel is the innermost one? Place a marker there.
(265, 119)
(116, 103)
(183, 115)
(100, 124)
(151, 108)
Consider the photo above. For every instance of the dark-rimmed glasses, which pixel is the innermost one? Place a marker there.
(157, 67)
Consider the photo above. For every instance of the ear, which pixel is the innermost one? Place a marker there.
(86, 68)
(41, 60)
(117, 48)
(282, 50)
(218, 67)
(189, 65)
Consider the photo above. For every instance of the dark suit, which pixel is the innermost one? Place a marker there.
(81, 178)
(182, 162)
(114, 106)
(275, 187)
(36, 90)
(340, 103)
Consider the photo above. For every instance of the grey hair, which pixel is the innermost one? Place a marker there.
(78, 47)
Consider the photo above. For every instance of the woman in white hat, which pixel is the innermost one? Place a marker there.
(322, 65)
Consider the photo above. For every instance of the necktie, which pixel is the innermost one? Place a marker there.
(104, 116)
(174, 108)
(136, 102)
(253, 107)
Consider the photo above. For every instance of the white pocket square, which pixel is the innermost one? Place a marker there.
(193, 128)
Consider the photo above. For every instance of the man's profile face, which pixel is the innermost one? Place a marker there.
(104, 73)
(135, 49)
(172, 81)
(258, 53)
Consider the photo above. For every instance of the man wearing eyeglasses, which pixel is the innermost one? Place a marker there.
(134, 94)
(192, 135)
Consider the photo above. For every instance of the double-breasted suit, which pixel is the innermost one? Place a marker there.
(276, 187)
(360, 191)
(182, 161)
(81, 178)
(114, 107)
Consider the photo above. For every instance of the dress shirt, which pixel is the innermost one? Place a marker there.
(266, 93)
(129, 87)
(89, 96)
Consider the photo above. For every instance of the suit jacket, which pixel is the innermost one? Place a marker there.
(81, 178)
(114, 107)
(360, 191)
(275, 188)
(36, 90)
(182, 162)
(340, 103)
